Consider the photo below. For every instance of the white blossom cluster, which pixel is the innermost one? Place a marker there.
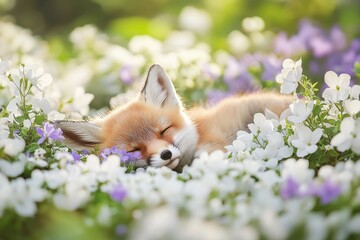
(272, 138)
(228, 199)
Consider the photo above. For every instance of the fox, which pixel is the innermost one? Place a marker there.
(157, 124)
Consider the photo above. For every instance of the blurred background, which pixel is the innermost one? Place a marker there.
(211, 49)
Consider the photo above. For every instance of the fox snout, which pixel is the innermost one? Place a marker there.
(166, 154)
(159, 154)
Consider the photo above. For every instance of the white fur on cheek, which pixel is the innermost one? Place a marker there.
(186, 140)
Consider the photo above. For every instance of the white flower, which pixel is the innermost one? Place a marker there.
(253, 24)
(12, 169)
(238, 42)
(298, 170)
(261, 124)
(274, 151)
(24, 195)
(80, 102)
(55, 116)
(316, 226)
(37, 77)
(305, 140)
(73, 197)
(5, 193)
(92, 163)
(41, 103)
(352, 107)
(355, 92)
(84, 36)
(14, 146)
(4, 66)
(354, 223)
(13, 107)
(290, 76)
(300, 111)
(271, 225)
(104, 216)
(27, 123)
(338, 89)
(144, 44)
(55, 178)
(349, 136)
(195, 20)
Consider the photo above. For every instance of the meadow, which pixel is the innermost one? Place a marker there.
(294, 176)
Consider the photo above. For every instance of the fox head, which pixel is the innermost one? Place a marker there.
(155, 123)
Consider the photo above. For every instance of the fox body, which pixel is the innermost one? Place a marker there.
(157, 125)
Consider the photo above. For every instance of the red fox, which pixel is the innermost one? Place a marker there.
(165, 133)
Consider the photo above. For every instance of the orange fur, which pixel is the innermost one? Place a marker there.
(217, 126)
(138, 127)
(157, 125)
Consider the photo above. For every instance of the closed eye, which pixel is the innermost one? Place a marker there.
(163, 131)
(134, 150)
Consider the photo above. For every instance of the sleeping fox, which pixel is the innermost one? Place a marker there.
(165, 133)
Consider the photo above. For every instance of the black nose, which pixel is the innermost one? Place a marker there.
(166, 154)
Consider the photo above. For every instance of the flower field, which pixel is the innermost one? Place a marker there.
(293, 176)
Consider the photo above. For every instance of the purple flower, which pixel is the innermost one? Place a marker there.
(237, 77)
(85, 152)
(209, 72)
(327, 192)
(215, 96)
(289, 47)
(321, 46)
(126, 74)
(125, 156)
(118, 193)
(290, 189)
(271, 67)
(120, 229)
(76, 156)
(338, 38)
(50, 132)
(343, 62)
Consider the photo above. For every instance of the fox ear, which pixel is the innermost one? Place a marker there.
(158, 89)
(80, 135)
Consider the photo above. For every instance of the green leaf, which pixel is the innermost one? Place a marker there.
(357, 69)
(39, 119)
(24, 131)
(32, 147)
(317, 110)
(20, 119)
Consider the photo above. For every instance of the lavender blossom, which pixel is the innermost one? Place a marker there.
(237, 77)
(271, 67)
(215, 96)
(121, 230)
(289, 46)
(327, 192)
(126, 74)
(75, 156)
(118, 193)
(343, 62)
(126, 157)
(290, 189)
(50, 132)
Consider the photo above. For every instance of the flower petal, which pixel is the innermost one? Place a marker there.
(344, 80)
(331, 79)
